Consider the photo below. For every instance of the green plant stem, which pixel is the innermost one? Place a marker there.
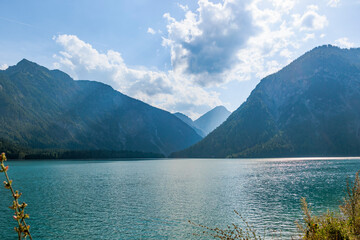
(17, 209)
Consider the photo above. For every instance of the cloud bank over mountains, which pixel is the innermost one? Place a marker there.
(166, 90)
(210, 46)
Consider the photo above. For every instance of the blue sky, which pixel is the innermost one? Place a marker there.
(186, 56)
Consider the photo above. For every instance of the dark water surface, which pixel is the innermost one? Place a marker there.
(154, 199)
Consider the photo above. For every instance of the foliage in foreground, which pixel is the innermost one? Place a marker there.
(342, 225)
(20, 215)
(332, 225)
(233, 231)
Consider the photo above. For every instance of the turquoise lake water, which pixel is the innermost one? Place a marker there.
(154, 199)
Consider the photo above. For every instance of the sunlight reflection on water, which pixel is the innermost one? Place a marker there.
(154, 199)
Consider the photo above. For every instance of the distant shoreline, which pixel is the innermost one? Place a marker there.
(78, 154)
(148, 156)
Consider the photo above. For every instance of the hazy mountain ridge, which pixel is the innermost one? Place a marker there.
(189, 122)
(208, 121)
(309, 108)
(212, 119)
(45, 109)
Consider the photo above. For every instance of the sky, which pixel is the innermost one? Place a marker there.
(181, 56)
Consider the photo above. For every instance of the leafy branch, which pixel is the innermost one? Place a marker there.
(19, 209)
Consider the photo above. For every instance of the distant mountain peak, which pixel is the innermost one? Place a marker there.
(330, 49)
(214, 110)
(25, 62)
(326, 46)
(26, 66)
(220, 108)
(189, 122)
(212, 119)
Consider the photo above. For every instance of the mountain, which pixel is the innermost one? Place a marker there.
(189, 122)
(309, 108)
(212, 119)
(207, 122)
(47, 109)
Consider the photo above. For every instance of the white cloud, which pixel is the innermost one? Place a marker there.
(204, 44)
(311, 20)
(183, 7)
(284, 5)
(333, 3)
(151, 31)
(309, 36)
(286, 53)
(344, 43)
(273, 45)
(168, 90)
(3, 66)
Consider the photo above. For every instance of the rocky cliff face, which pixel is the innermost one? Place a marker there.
(309, 108)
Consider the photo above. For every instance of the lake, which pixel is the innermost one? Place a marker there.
(154, 199)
